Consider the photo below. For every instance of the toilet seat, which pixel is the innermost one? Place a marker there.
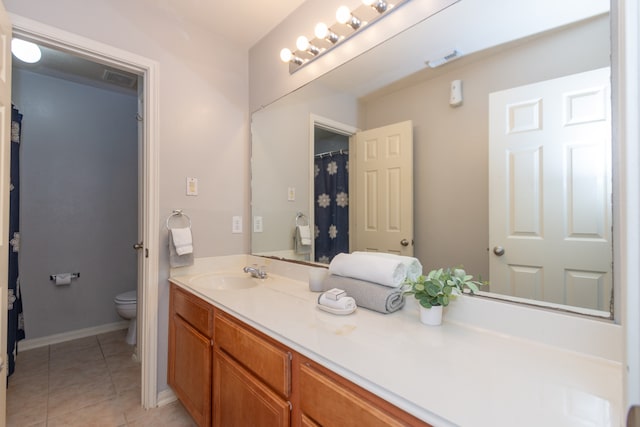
(127, 297)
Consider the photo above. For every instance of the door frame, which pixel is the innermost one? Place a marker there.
(336, 127)
(148, 200)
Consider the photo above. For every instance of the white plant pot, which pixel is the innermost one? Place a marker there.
(431, 316)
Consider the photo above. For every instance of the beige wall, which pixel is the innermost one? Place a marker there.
(450, 144)
(203, 108)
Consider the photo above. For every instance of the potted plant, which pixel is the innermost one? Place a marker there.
(437, 289)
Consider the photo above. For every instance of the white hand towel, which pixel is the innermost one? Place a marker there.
(182, 240)
(305, 234)
(414, 268)
(344, 303)
(302, 240)
(381, 270)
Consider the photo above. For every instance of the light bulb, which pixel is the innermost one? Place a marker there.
(321, 30)
(343, 14)
(285, 55)
(302, 43)
(379, 5)
(26, 51)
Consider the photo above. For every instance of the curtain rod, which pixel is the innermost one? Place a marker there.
(331, 153)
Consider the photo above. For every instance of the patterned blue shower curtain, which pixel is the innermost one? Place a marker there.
(331, 206)
(15, 322)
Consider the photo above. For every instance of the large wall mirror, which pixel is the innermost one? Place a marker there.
(488, 193)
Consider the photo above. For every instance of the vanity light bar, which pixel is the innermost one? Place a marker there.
(349, 22)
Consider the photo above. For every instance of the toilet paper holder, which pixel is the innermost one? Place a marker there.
(73, 276)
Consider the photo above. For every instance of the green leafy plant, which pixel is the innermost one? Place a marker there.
(440, 286)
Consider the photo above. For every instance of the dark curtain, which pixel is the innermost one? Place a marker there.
(331, 206)
(15, 322)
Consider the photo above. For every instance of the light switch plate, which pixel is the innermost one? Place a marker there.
(236, 224)
(192, 186)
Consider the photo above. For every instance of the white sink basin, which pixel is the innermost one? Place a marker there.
(224, 282)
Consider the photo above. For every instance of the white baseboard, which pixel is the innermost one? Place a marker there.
(71, 335)
(166, 396)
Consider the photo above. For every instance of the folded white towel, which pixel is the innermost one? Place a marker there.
(381, 270)
(182, 240)
(302, 240)
(414, 268)
(344, 303)
(305, 234)
(176, 260)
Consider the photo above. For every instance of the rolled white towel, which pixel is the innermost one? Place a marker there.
(381, 270)
(414, 267)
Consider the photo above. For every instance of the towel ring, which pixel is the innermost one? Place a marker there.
(178, 212)
(303, 216)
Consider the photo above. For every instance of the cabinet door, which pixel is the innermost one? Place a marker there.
(328, 403)
(241, 400)
(190, 367)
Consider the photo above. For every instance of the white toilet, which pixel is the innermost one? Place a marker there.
(126, 303)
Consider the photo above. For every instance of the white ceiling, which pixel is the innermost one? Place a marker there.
(242, 22)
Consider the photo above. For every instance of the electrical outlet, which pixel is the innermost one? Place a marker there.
(257, 224)
(236, 224)
(291, 194)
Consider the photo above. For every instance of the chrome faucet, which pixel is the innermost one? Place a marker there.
(255, 272)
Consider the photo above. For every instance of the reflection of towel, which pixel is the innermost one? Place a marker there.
(302, 240)
(366, 294)
(414, 268)
(182, 240)
(176, 260)
(382, 270)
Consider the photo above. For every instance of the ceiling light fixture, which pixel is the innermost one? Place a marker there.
(25, 51)
(349, 23)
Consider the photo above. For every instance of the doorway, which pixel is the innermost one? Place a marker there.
(148, 263)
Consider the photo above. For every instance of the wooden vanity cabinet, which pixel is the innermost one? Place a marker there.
(228, 374)
(190, 353)
(252, 377)
(327, 399)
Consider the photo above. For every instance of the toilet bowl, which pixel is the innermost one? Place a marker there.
(126, 304)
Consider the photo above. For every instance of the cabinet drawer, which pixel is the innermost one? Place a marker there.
(272, 364)
(328, 403)
(196, 312)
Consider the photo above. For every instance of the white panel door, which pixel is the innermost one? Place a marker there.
(5, 181)
(550, 190)
(384, 189)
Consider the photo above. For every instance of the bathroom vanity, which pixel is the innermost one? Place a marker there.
(246, 351)
(227, 373)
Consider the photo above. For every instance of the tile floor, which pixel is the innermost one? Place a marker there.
(90, 381)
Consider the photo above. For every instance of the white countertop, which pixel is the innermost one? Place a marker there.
(450, 375)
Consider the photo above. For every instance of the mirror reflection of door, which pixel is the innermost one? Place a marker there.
(383, 168)
(331, 194)
(543, 233)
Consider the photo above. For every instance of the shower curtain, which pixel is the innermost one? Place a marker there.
(15, 322)
(331, 206)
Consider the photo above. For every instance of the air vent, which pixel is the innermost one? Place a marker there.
(120, 79)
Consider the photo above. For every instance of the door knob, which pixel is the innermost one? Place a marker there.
(138, 246)
(498, 250)
(404, 242)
